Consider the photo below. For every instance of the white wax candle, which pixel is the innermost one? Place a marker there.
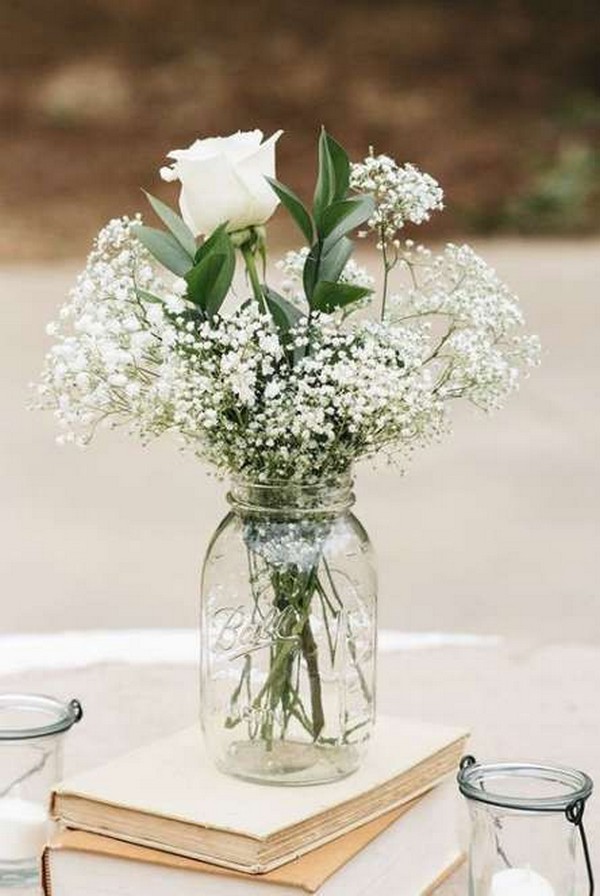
(520, 882)
(24, 829)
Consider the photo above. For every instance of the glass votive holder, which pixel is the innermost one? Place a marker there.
(527, 833)
(31, 736)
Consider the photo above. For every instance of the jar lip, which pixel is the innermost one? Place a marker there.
(294, 499)
(472, 778)
(60, 715)
(341, 480)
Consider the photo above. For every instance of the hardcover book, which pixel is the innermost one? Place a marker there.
(169, 796)
(408, 851)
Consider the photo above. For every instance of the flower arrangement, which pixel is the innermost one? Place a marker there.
(284, 388)
(296, 382)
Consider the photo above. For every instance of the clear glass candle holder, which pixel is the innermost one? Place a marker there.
(31, 737)
(527, 833)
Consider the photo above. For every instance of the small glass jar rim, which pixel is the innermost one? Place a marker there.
(470, 776)
(66, 714)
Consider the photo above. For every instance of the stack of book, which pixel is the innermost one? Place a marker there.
(162, 820)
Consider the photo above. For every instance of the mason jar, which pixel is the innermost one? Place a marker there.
(31, 739)
(527, 834)
(288, 634)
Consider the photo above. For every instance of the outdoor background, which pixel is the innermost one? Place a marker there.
(495, 531)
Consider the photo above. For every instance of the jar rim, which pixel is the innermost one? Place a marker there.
(474, 776)
(53, 716)
(324, 496)
(338, 480)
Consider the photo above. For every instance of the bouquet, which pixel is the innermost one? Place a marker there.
(293, 381)
(283, 378)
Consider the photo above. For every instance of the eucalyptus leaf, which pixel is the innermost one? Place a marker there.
(328, 297)
(295, 207)
(165, 248)
(176, 225)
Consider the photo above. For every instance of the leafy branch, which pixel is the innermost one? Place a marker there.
(325, 228)
(208, 269)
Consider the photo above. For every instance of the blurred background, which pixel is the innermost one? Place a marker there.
(493, 532)
(499, 100)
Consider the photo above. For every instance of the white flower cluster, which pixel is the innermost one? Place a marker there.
(292, 265)
(474, 318)
(239, 403)
(403, 194)
(110, 344)
(130, 349)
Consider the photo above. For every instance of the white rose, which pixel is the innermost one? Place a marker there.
(223, 179)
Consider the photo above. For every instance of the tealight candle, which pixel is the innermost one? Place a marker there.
(24, 827)
(520, 882)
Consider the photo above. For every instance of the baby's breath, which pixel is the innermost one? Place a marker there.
(402, 193)
(130, 349)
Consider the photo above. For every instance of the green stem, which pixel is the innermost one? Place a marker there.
(310, 651)
(350, 636)
(386, 273)
(250, 262)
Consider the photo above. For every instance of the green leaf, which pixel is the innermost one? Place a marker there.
(333, 174)
(341, 167)
(285, 315)
(214, 242)
(147, 296)
(165, 248)
(209, 285)
(310, 271)
(342, 217)
(328, 297)
(223, 281)
(335, 260)
(209, 280)
(175, 224)
(295, 207)
(202, 279)
(325, 189)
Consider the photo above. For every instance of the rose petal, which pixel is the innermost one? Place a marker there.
(169, 174)
(253, 171)
(236, 146)
(212, 193)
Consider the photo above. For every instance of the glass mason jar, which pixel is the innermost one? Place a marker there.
(31, 738)
(288, 634)
(527, 835)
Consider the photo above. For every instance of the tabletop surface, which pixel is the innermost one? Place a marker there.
(520, 701)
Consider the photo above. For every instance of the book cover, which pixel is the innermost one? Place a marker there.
(168, 795)
(414, 847)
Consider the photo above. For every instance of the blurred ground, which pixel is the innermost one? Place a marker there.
(500, 101)
(495, 531)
